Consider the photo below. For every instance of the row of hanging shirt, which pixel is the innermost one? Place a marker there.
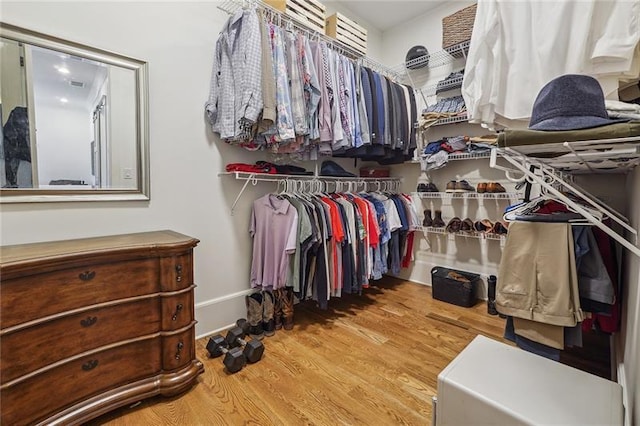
(273, 88)
(325, 245)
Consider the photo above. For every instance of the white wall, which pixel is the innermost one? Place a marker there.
(424, 30)
(121, 112)
(468, 254)
(178, 40)
(63, 136)
(629, 340)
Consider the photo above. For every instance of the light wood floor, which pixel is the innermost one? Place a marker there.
(368, 360)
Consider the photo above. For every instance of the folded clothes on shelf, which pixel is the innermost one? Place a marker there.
(269, 168)
(516, 138)
(250, 168)
(453, 81)
(453, 105)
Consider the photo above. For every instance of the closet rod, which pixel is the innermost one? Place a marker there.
(232, 6)
(254, 178)
(521, 163)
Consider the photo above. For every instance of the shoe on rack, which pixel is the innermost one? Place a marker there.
(467, 225)
(500, 229)
(484, 225)
(451, 186)
(495, 187)
(437, 220)
(422, 187)
(482, 187)
(431, 187)
(454, 225)
(428, 221)
(463, 186)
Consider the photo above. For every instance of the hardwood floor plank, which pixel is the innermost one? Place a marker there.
(366, 360)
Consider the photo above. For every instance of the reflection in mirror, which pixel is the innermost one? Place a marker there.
(73, 121)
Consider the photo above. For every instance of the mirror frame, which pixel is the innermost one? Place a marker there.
(140, 68)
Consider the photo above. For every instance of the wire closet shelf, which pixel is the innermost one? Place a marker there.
(315, 183)
(232, 6)
(554, 174)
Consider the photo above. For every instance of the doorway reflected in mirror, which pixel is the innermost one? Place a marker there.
(74, 119)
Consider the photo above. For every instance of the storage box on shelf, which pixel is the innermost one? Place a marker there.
(457, 27)
(348, 32)
(311, 13)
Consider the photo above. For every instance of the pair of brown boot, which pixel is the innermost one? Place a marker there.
(268, 311)
(435, 222)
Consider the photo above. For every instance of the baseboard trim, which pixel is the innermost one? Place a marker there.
(214, 315)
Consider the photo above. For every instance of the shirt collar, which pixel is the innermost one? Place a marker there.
(277, 205)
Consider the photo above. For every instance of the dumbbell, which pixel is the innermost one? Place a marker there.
(253, 349)
(234, 359)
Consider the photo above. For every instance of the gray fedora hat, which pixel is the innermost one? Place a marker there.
(570, 102)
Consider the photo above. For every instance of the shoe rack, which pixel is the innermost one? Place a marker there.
(472, 251)
(513, 196)
(462, 234)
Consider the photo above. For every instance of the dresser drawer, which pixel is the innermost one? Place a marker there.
(177, 272)
(74, 334)
(178, 349)
(177, 309)
(37, 397)
(36, 296)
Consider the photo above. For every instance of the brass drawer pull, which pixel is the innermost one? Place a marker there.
(89, 321)
(90, 365)
(180, 346)
(178, 310)
(179, 273)
(87, 275)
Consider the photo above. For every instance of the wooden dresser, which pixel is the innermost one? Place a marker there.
(92, 324)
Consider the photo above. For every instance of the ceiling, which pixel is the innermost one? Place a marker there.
(81, 80)
(386, 14)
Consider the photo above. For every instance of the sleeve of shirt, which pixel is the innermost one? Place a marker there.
(292, 238)
(393, 218)
(477, 85)
(211, 106)
(615, 30)
(252, 96)
(305, 227)
(252, 225)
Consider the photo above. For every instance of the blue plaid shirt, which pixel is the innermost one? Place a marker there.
(235, 97)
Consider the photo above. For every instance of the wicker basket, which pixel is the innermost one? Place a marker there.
(458, 27)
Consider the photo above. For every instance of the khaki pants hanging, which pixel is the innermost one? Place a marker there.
(537, 279)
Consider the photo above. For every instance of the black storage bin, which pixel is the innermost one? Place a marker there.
(453, 291)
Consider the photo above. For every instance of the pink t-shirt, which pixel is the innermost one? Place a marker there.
(274, 228)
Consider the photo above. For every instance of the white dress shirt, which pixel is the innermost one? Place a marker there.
(519, 46)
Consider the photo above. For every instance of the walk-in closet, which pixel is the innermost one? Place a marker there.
(285, 212)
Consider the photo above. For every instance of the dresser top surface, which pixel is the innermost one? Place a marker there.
(34, 251)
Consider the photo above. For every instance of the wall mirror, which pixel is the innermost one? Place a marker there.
(74, 121)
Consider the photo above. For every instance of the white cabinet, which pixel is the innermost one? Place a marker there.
(491, 383)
